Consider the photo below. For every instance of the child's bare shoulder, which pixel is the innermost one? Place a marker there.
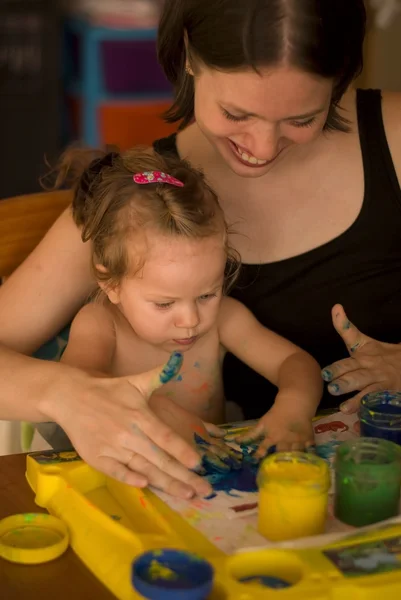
(95, 315)
(230, 308)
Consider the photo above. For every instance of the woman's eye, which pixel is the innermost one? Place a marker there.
(307, 123)
(231, 117)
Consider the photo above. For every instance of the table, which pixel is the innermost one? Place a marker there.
(65, 578)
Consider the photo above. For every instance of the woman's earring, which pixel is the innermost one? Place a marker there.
(188, 70)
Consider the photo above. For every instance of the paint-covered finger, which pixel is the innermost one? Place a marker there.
(211, 461)
(230, 457)
(150, 381)
(214, 431)
(353, 382)
(266, 447)
(339, 368)
(352, 337)
(256, 433)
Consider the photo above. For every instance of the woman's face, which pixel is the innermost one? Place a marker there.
(255, 119)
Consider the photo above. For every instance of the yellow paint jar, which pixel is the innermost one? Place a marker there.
(293, 494)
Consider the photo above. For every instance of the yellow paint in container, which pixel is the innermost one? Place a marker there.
(293, 494)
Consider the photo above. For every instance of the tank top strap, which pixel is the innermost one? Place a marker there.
(380, 174)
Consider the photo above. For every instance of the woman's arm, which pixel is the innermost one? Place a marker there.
(47, 290)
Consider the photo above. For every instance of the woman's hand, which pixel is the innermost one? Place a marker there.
(112, 428)
(373, 365)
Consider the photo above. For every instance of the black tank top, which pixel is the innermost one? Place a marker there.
(360, 269)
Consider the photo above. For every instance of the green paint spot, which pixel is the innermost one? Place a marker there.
(29, 517)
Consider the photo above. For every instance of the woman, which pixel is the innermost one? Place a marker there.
(307, 174)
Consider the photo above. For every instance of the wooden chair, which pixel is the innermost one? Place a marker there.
(24, 220)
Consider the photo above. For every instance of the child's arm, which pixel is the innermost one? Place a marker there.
(91, 343)
(288, 424)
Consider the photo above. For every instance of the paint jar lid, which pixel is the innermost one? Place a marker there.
(32, 538)
(168, 574)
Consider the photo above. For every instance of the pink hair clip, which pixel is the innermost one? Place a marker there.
(156, 177)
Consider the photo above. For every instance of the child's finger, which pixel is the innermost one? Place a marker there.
(230, 457)
(298, 446)
(210, 460)
(266, 447)
(257, 432)
(214, 431)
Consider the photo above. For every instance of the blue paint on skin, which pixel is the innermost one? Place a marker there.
(334, 388)
(355, 347)
(179, 378)
(347, 325)
(230, 480)
(171, 369)
(218, 458)
(328, 450)
(327, 375)
(196, 365)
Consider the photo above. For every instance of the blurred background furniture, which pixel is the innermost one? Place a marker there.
(30, 91)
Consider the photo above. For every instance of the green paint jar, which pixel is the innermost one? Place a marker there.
(368, 481)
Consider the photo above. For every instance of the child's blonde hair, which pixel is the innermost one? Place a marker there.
(109, 206)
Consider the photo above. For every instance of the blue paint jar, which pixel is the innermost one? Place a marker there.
(380, 415)
(168, 574)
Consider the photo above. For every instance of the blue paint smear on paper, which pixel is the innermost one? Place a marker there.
(242, 479)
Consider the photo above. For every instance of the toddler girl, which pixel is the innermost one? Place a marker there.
(162, 259)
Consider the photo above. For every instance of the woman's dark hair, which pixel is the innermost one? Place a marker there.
(322, 37)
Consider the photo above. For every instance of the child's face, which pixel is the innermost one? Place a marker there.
(175, 298)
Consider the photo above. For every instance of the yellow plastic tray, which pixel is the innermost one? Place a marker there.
(110, 524)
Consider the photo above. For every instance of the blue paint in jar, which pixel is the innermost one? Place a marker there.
(380, 415)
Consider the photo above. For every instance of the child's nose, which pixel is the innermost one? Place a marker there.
(188, 318)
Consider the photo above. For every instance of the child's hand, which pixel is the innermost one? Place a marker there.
(282, 429)
(216, 454)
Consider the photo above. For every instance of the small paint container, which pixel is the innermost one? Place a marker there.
(168, 574)
(32, 538)
(380, 415)
(368, 481)
(293, 494)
